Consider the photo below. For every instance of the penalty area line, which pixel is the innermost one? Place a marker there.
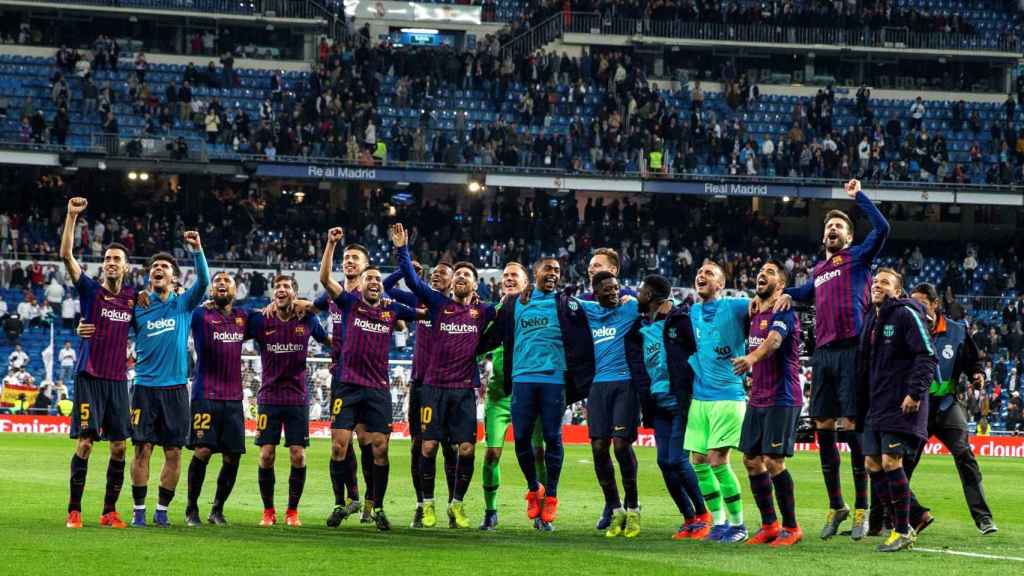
(969, 554)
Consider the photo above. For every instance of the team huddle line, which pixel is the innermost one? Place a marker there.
(879, 384)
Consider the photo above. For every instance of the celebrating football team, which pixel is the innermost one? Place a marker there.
(716, 378)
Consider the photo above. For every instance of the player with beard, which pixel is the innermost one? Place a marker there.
(448, 413)
(218, 420)
(441, 281)
(896, 364)
(838, 288)
(769, 425)
(283, 400)
(363, 396)
(658, 349)
(354, 259)
(101, 407)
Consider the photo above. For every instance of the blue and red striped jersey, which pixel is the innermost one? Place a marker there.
(776, 378)
(368, 329)
(455, 331)
(105, 355)
(218, 339)
(839, 285)
(283, 346)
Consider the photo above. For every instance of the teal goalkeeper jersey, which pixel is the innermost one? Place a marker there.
(719, 327)
(608, 328)
(161, 332)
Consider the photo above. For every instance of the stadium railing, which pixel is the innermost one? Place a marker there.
(299, 9)
(889, 37)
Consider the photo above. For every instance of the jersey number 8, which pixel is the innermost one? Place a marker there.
(336, 406)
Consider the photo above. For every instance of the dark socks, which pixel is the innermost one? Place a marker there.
(414, 466)
(784, 497)
(79, 468)
(688, 477)
(366, 461)
(115, 480)
(139, 495)
(296, 483)
(451, 463)
(828, 452)
(860, 474)
(428, 476)
(338, 481)
(627, 468)
(196, 477)
(606, 478)
(899, 495)
(673, 482)
(463, 475)
(351, 484)
(761, 487)
(880, 485)
(380, 484)
(266, 480)
(225, 483)
(553, 456)
(164, 497)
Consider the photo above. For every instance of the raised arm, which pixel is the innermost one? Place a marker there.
(875, 239)
(195, 294)
(316, 329)
(76, 206)
(801, 293)
(782, 326)
(421, 289)
(334, 235)
(397, 294)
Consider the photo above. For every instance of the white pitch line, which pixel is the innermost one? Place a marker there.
(969, 554)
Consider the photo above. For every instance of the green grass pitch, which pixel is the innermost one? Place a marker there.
(34, 484)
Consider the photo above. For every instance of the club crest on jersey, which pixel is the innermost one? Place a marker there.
(837, 260)
(239, 321)
(300, 330)
(385, 316)
(573, 305)
(672, 333)
(889, 330)
(474, 313)
(764, 324)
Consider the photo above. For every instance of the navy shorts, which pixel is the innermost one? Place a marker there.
(769, 431)
(271, 418)
(415, 404)
(833, 381)
(448, 415)
(101, 409)
(160, 415)
(352, 405)
(218, 425)
(613, 410)
(877, 443)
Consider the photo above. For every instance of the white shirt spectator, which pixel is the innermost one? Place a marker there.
(768, 147)
(54, 292)
(241, 291)
(27, 311)
(47, 356)
(3, 307)
(68, 308)
(67, 357)
(17, 359)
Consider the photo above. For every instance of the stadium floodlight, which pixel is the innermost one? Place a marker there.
(785, 198)
(143, 176)
(475, 184)
(133, 176)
